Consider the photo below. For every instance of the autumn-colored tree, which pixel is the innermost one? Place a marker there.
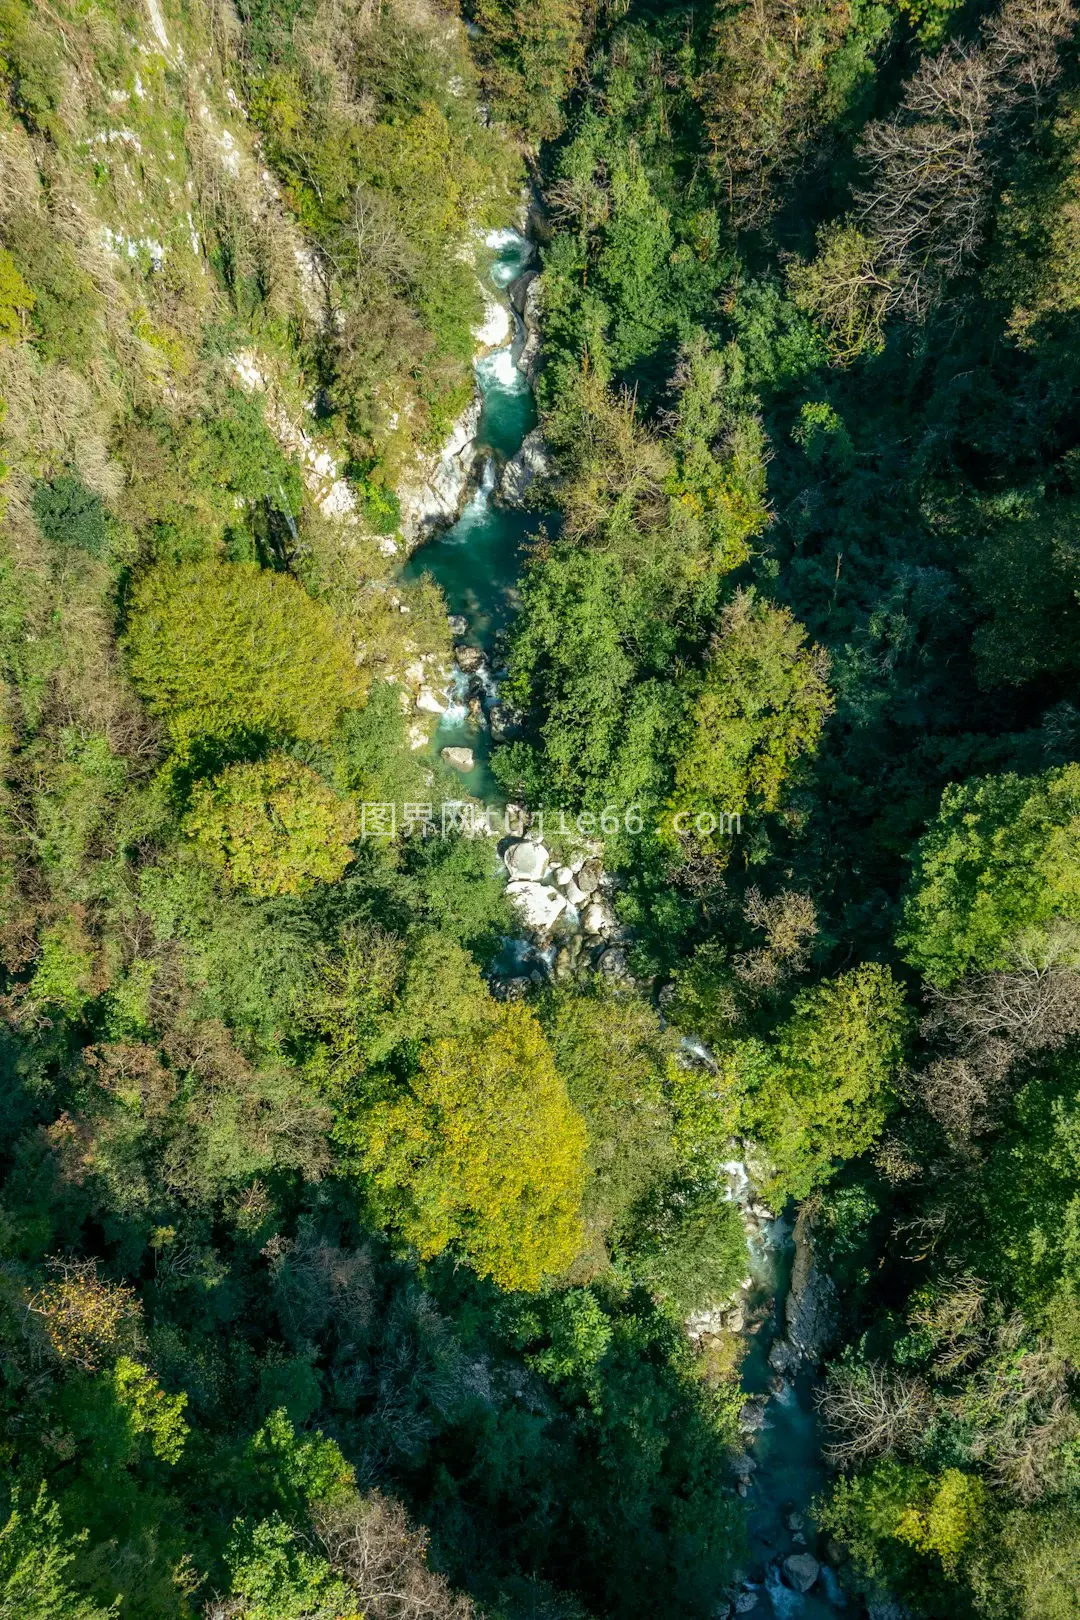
(272, 827)
(85, 1318)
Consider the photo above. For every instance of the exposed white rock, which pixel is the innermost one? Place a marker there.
(563, 876)
(529, 358)
(496, 327)
(157, 23)
(429, 702)
(540, 906)
(575, 895)
(435, 494)
(597, 918)
(527, 860)
(532, 461)
(460, 758)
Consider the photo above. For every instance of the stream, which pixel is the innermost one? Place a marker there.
(477, 561)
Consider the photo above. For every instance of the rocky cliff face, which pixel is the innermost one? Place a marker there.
(810, 1311)
(435, 495)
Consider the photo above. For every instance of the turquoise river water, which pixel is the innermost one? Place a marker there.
(477, 563)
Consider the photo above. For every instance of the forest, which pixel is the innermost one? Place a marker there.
(337, 1282)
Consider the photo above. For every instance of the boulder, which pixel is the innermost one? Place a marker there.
(613, 964)
(429, 702)
(810, 1311)
(563, 876)
(746, 1603)
(597, 918)
(469, 659)
(801, 1570)
(458, 623)
(575, 895)
(533, 461)
(588, 874)
(538, 905)
(461, 759)
(505, 722)
(526, 859)
(516, 816)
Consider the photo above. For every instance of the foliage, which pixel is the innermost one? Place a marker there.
(34, 1555)
(690, 1249)
(762, 703)
(484, 1150)
(993, 873)
(272, 828)
(69, 514)
(16, 299)
(823, 1092)
(229, 655)
(531, 55)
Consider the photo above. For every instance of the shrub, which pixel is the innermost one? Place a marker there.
(71, 515)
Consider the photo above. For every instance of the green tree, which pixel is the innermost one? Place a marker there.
(997, 868)
(760, 707)
(226, 653)
(278, 1577)
(531, 52)
(272, 827)
(689, 1248)
(484, 1150)
(822, 1093)
(34, 1555)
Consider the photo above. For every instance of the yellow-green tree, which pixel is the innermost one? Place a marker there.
(227, 651)
(761, 706)
(484, 1151)
(822, 1093)
(272, 827)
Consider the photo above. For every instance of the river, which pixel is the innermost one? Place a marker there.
(477, 562)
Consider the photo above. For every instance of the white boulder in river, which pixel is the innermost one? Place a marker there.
(532, 461)
(527, 860)
(460, 758)
(539, 905)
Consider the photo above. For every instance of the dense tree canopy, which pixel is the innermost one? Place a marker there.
(358, 1256)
